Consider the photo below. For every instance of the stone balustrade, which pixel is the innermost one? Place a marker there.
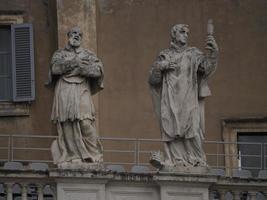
(28, 184)
(239, 189)
(27, 190)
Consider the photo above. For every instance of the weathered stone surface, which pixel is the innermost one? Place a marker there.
(185, 192)
(178, 83)
(77, 74)
(70, 191)
(133, 192)
(81, 13)
(102, 184)
(81, 165)
(185, 169)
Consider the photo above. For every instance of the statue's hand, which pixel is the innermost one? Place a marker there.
(211, 44)
(156, 74)
(94, 72)
(166, 66)
(156, 77)
(172, 66)
(71, 64)
(81, 61)
(70, 67)
(74, 72)
(85, 61)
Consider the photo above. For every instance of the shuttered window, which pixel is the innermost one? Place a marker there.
(22, 62)
(5, 64)
(17, 63)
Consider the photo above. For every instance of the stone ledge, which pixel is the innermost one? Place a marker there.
(110, 176)
(104, 184)
(24, 173)
(8, 109)
(151, 177)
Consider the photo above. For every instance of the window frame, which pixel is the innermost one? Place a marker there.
(231, 127)
(11, 108)
(10, 96)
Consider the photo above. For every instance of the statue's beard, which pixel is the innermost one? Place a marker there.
(74, 42)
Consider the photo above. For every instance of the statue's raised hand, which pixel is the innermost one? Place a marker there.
(211, 44)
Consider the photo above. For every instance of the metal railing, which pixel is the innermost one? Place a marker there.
(236, 156)
(129, 151)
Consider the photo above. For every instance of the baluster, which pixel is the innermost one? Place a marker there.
(24, 191)
(264, 193)
(222, 194)
(211, 194)
(236, 194)
(253, 195)
(54, 191)
(40, 192)
(9, 191)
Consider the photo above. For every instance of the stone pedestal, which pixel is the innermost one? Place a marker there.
(186, 170)
(104, 185)
(133, 192)
(184, 192)
(78, 191)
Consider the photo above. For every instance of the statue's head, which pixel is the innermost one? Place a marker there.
(179, 34)
(75, 37)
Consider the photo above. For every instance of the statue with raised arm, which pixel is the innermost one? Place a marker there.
(77, 74)
(178, 83)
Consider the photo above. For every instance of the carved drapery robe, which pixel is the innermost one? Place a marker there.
(178, 96)
(73, 110)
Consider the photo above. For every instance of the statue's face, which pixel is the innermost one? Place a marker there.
(182, 35)
(75, 38)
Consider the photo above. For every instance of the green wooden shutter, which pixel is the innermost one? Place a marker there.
(22, 62)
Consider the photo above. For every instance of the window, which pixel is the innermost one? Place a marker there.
(252, 151)
(5, 64)
(245, 144)
(16, 63)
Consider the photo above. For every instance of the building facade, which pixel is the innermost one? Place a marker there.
(127, 36)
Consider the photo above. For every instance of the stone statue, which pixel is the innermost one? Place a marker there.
(178, 83)
(78, 74)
